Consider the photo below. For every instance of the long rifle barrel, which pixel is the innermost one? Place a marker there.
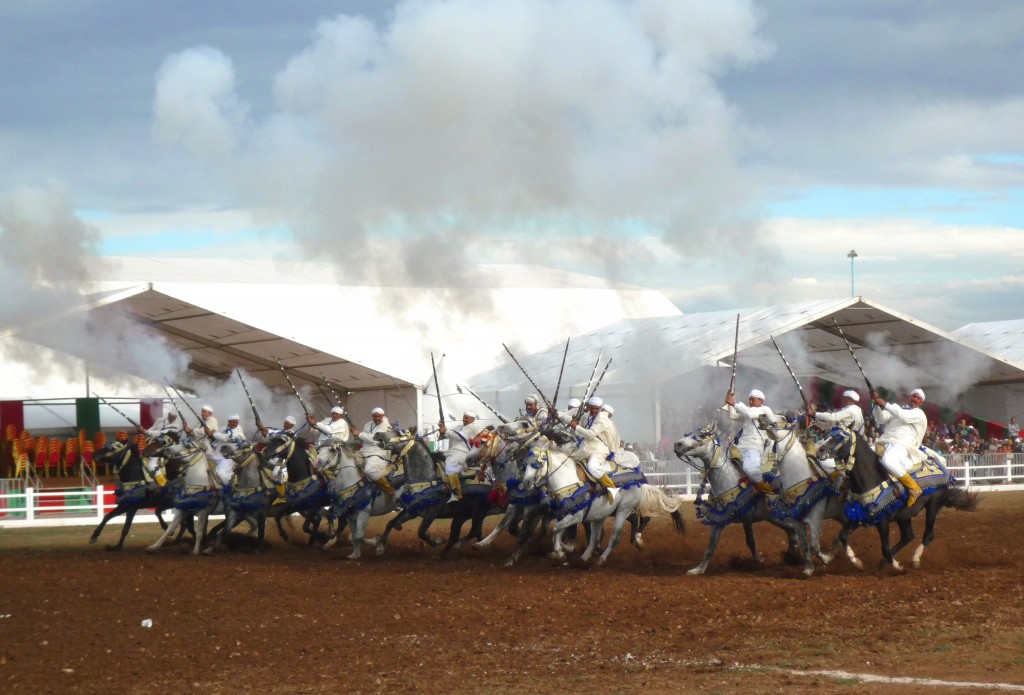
(437, 387)
(188, 405)
(294, 390)
(853, 355)
(735, 352)
(485, 403)
(176, 408)
(528, 377)
(116, 409)
(791, 373)
(590, 381)
(252, 403)
(561, 370)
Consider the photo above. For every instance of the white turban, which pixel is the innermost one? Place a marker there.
(208, 408)
(377, 411)
(852, 395)
(531, 399)
(469, 413)
(234, 416)
(290, 419)
(575, 402)
(755, 394)
(608, 409)
(338, 409)
(595, 401)
(917, 392)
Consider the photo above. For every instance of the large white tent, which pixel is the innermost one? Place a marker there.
(373, 344)
(684, 362)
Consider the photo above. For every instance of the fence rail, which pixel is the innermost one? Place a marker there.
(22, 506)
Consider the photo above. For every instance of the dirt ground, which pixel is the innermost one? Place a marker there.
(295, 619)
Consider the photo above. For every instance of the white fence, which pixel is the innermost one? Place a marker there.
(22, 506)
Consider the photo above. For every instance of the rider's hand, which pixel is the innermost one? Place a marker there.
(730, 398)
(811, 410)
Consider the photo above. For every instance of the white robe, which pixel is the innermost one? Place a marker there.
(459, 446)
(904, 431)
(375, 459)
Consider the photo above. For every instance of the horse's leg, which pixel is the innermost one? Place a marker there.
(129, 516)
(219, 533)
(261, 530)
(116, 511)
(596, 533)
(748, 533)
(476, 526)
(930, 513)
(887, 556)
(400, 518)
(506, 518)
(620, 521)
(813, 519)
(566, 522)
(358, 526)
(201, 518)
(906, 532)
(428, 518)
(171, 528)
(716, 532)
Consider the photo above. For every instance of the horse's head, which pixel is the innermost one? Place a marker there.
(113, 452)
(697, 442)
(278, 449)
(237, 451)
(535, 468)
(393, 440)
(837, 444)
(158, 445)
(517, 429)
(776, 429)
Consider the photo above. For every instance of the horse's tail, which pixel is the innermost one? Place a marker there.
(656, 502)
(678, 523)
(963, 499)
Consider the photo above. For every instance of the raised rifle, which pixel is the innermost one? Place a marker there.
(486, 404)
(337, 398)
(528, 378)
(791, 373)
(735, 352)
(853, 355)
(437, 388)
(558, 386)
(117, 410)
(202, 423)
(252, 403)
(294, 390)
(176, 408)
(587, 392)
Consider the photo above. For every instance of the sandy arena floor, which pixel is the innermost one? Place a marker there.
(295, 619)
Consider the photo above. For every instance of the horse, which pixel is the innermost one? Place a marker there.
(425, 494)
(806, 492)
(305, 491)
(196, 494)
(733, 499)
(248, 496)
(876, 499)
(503, 459)
(354, 498)
(136, 489)
(572, 501)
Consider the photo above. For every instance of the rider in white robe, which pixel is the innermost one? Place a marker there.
(849, 416)
(751, 441)
(265, 434)
(230, 434)
(463, 442)
(596, 441)
(904, 431)
(203, 434)
(375, 458)
(535, 412)
(332, 429)
(627, 457)
(165, 426)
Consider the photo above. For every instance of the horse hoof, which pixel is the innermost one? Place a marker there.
(151, 549)
(92, 541)
(808, 571)
(825, 558)
(600, 562)
(113, 548)
(858, 564)
(916, 564)
(380, 550)
(208, 551)
(353, 556)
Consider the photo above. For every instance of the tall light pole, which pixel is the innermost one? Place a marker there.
(851, 255)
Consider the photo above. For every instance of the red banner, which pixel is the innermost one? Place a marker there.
(12, 413)
(150, 410)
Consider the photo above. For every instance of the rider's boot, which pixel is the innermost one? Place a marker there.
(456, 484)
(764, 487)
(385, 485)
(609, 487)
(913, 489)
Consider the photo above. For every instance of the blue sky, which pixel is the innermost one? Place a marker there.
(728, 153)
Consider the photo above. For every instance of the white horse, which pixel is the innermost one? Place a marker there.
(733, 499)
(573, 502)
(504, 458)
(806, 492)
(354, 498)
(196, 496)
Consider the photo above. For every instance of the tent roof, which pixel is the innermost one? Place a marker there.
(891, 347)
(1005, 338)
(218, 344)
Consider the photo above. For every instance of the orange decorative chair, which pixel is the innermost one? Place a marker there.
(71, 456)
(55, 463)
(42, 450)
